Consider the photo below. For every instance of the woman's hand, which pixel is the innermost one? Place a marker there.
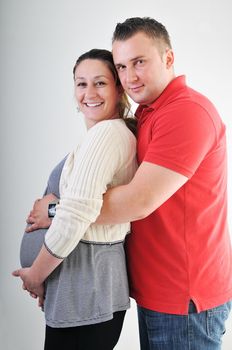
(38, 217)
(33, 277)
(35, 288)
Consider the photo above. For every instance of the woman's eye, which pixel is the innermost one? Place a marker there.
(100, 83)
(81, 84)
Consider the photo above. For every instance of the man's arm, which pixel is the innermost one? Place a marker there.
(151, 186)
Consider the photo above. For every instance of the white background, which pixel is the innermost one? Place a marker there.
(40, 41)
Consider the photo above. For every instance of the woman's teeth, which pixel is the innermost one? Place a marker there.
(93, 104)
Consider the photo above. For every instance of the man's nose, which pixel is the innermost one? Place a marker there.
(131, 75)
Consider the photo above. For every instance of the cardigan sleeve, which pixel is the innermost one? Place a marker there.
(92, 170)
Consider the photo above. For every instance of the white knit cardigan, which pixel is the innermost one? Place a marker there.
(106, 158)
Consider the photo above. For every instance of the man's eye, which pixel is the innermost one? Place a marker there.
(120, 68)
(139, 62)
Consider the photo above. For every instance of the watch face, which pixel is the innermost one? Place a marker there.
(51, 210)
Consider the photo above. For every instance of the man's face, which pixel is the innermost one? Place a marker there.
(144, 69)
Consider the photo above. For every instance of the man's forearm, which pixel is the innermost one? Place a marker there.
(120, 205)
(151, 186)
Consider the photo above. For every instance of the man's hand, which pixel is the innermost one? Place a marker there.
(38, 217)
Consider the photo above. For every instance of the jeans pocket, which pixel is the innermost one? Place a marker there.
(216, 318)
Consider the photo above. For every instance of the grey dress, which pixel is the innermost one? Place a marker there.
(91, 283)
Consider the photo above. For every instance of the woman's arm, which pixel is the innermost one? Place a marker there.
(93, 168)
(34, 276)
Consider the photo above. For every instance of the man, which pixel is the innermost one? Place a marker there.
(179, 251)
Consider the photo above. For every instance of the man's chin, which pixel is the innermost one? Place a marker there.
(138, 99)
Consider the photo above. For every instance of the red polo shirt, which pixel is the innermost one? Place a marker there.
(182, 251)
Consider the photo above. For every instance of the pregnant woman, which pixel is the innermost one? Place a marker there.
(82, 263)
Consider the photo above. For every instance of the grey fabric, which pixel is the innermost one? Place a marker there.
(89, 286)
(32, 242)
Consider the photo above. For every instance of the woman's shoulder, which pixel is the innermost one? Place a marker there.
(113, 128)
(109, 123)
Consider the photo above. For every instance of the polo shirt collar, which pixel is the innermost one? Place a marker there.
(176, 84)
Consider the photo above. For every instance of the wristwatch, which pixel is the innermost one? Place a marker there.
(52, 209)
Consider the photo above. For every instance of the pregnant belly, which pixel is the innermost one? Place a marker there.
(30, 246)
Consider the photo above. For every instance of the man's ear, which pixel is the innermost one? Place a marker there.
(169, 58)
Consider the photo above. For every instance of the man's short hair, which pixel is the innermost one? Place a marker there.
(147, 25)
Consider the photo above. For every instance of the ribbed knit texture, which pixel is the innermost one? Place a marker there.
(106, 158)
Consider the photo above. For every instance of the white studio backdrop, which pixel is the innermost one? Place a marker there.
(40, 41)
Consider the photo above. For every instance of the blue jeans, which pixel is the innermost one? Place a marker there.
(195, 331)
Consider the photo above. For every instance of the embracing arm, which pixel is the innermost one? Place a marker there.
(184, 145)
(151, 186)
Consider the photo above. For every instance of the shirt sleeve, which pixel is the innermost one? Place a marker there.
(181, 139)
(93, 168)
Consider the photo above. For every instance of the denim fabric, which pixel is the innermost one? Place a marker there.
(195, 331)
